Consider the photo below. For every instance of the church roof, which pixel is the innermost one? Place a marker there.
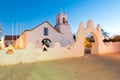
(10, 37)
(43, 23)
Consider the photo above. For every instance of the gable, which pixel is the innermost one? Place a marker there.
(48, 26)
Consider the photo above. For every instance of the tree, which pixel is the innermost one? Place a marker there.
(105, 34)
(117, 38)
(88, 43)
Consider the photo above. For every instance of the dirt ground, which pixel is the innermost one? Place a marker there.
(89, 67)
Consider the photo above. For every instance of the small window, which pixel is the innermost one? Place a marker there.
(45, 31)
(64, 20)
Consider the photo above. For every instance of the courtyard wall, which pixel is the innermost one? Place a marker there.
(109, 47)
(31, 54)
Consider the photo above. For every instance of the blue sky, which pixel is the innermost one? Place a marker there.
(34, 12)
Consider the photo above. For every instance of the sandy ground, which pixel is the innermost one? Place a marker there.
(89, 67)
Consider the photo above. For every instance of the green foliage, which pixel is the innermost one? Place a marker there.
(117, 38)
(105, 34)
(114, 39)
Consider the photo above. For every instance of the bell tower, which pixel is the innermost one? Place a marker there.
(63, 27)
(61, 22)
(61, 18)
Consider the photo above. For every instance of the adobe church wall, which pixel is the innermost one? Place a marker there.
(37, 35)
(60, 33)
(67, 36)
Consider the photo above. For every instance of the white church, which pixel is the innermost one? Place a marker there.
(46, 34)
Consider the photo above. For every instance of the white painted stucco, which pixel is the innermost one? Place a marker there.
(60, 33)
(31, 54)
(2, 45)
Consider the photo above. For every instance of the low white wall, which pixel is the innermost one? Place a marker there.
(109, 47)
(30, 54)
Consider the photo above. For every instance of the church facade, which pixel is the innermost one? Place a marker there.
(46, 34)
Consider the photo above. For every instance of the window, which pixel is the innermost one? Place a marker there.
(45, 31)
(64, 20)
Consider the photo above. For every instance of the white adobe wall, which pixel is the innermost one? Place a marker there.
(109, 47)
(80, 36)
(2, 45)
(31, 54)
(67, 34)
(36, 35)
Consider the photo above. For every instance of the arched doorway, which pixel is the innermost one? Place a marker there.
(46, 42)
(81, 34)
(89, 39)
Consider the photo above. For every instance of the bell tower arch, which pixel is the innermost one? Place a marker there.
(61, 18)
